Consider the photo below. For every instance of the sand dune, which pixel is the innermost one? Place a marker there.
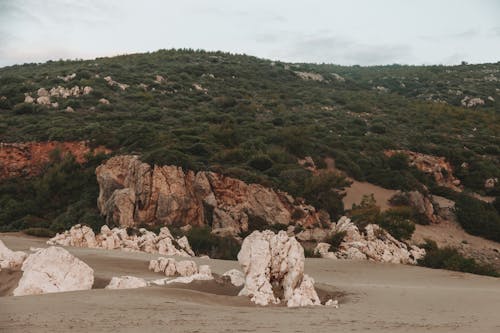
(375, 297)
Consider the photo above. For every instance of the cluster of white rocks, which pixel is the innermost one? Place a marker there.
(51, 270)
(184, 271)
(44, 95)
(470, 102)
(112, 83)
(373, 244)
(118, 238)
(275, 260)
(67, 78)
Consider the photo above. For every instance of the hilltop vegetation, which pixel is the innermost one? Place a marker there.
(252, 118)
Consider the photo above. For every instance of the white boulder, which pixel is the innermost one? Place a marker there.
(53, 270)
(126, 282)
(237, 277)
(271, 259)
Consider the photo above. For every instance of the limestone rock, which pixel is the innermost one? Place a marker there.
(237, 277)
(104, 101)
(271, 259)
(118, 238)
(10, 259)
(332, 303)
(321, 249)
(28, 99)
(53, 270)
(470, 102)
(374, 244)
(126, 282)
(43, 100)
(186, 267)
(132, 193)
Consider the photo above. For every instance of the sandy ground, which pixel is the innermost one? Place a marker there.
(354, 194)
(378, 298)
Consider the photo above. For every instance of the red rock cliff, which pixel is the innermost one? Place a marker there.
(134, 193)
(27, 159)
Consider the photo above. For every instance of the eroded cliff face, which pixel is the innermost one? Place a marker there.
(134, 193)
(28, 159)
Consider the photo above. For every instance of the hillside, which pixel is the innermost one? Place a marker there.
(251, 119)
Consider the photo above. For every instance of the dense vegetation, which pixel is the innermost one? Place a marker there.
(248, 118)
(449, 258)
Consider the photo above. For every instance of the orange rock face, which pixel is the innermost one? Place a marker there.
(133, 193)
(27, 159)
(434, 165)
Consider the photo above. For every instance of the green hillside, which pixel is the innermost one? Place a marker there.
(249, 118)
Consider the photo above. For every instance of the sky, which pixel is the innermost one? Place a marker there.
(350, 32)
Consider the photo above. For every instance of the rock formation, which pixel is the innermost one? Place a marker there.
(10, 259)
(184, 271)
(126, 282)
(29, 158)
(373, 244)
(53, 270)
(310, 76)
(470, 102)
(237, 277)
(134, 193)
(116, 238)
(112, 83)
(275, 262)
(438, 167)
(171, 267)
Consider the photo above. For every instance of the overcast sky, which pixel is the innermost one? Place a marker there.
(348, 32)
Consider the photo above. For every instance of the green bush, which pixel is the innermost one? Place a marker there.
(202, 241)
(39, 232)
(478, 217)
(399, 227)
(336, 240)
(449, 258)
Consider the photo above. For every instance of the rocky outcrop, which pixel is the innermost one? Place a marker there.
(171, 267)
(184, 271)
(44, 95)
(126, 282)
(28, 159)
(273, 265)
(237, 277)
(141, 240)
(10, 259)
(132, 193)
(438, 167)
(310, 76)
(113, 83)
(53, 270)
(374, 244)
(470, 102)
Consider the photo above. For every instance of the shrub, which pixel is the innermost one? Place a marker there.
(336, 240)
(398, 161)
(450, 258)
(202, 241)
(365, 213)
(478, 217)
(323, 192)
(39, 232)
(260, 162)
(399, 227)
